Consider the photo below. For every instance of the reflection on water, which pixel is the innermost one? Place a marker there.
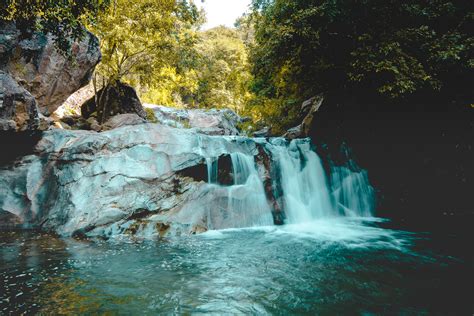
(327, 267)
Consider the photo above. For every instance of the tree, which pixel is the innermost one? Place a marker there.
(143, 43)
(138, 37)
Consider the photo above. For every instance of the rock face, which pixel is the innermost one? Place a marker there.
(120, 120)
(209, 122)
(309, 109)
(32, 68)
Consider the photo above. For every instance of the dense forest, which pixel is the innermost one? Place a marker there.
(279, 54)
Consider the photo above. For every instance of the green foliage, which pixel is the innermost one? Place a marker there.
(213, 71)
(62, 18)
(371, 47)
(223, 70)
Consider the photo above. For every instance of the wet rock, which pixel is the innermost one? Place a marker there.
(127, 179)
(268, 173)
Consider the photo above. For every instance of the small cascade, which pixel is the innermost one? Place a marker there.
(245, 204)
(212, 170)
(352, 191)
(307, 192)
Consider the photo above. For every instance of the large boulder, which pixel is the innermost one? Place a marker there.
(209, 122)
(113, 99)
(44, 73)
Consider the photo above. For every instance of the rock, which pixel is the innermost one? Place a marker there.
(119, 98)
(122, 120)
(72, 106)
(93, 124)
(18, 110)
(209, 122)
(51, 77)
(45, 75)
(62, 125)
(308, 108)
(131, 178)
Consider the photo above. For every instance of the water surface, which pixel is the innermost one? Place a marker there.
(343, 266)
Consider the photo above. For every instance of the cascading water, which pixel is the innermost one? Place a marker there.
(306, 193)
(353, 194)
(244, 201)
(212, 170)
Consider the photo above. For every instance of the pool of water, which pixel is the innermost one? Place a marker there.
(325, 267)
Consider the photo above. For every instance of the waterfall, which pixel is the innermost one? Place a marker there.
(305, 189)
(212, 170)
(244, 203)
(306, 194)
(352, 192)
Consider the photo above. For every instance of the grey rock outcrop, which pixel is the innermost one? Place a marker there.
(40, 72)
(146, 177)
(120, 120)
(209, 122)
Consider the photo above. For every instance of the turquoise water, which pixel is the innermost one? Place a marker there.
(325, 267)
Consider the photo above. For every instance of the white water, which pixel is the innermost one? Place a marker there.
(306, 192)
(353, 194)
